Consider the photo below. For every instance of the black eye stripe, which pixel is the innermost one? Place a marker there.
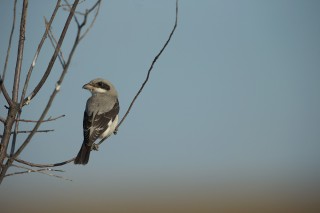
(103, 85)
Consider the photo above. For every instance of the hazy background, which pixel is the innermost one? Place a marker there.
(228, 122)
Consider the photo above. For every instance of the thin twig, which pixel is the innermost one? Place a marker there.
(44, 36)
(31, 170)
(38, 131)
(3, 120)
(64, 5)
(76, 12)
(41, 172)
(151, 67)
(47, 120)
(9, 45)
(98, 3)
(44, 165)
(54, 43)
(29, 131)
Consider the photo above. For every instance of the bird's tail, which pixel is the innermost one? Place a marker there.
(83, 155)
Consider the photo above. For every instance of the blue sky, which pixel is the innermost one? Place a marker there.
(233, 99)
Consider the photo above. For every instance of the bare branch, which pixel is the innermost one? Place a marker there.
(54, 93)
(55, 54)
(38, 87)
(151, 67)
(13, 111)
(44, 36)
(47, 120)
(22, 38)
(9, 45)
(29, 131)
(43, 165)
(3, 120)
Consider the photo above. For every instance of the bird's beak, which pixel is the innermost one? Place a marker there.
(87, 86)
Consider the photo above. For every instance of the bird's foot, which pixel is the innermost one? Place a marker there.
(95, 147)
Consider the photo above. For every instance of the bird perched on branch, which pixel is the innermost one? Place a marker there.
(100, 117)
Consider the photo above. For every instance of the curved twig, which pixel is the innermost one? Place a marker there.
(150, 69)
(44, 165)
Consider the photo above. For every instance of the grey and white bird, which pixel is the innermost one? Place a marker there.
(100, 117)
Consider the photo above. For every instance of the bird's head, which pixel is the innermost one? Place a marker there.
(101, 86)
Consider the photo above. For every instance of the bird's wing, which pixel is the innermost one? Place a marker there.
(97, 123)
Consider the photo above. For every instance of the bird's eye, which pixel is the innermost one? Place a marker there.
(104, 86)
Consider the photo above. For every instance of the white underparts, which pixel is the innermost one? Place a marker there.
(110, 129)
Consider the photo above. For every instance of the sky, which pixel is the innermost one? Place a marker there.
(231, 110)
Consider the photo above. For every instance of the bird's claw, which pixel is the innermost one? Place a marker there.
(95, 147)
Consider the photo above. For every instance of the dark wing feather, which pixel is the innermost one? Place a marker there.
(99, 122)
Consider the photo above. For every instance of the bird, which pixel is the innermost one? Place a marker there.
(100, 116)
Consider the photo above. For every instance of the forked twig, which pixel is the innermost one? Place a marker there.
(97, 4)
(41, 171)
(54, 43)
(31, 170)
